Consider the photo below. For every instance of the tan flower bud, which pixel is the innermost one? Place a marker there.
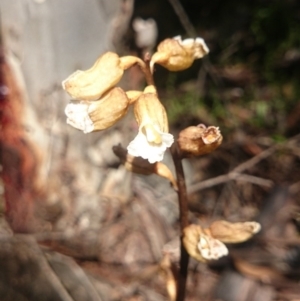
(90, 116)
(92, 83)
(102, 76)
(149, 110)
(153, 138)
(175, 54)
(142, 166)
(199, 140)
(233, 232)
(202, 246)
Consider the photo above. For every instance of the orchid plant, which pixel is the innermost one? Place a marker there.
(97, 104)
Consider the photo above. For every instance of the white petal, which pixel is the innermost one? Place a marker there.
(167, 139)
(140, 147)
(78, 117)
(188, 42)
(211, 248)
(177, 38)
(200, 47)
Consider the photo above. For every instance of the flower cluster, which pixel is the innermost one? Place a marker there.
(208, 244)
(98, 104)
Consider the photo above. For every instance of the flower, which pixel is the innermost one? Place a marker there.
(78, 116)
(89, 116)
(153, 138)
(177, 54)
(202, 246)
(208, 244)
(196, 47)
(211, 248)
(144, 146)
(233, 232)
(106, 72)
(199, 140)
(92, 83)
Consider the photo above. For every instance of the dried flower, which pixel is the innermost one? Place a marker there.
(233, 232)
(153, 138)
(199, 140)
(176, 55)
(211, 248)
(92, 83)
(89, 116)
(106, 72)
(208, 244)
(201, 246)
(142, 166)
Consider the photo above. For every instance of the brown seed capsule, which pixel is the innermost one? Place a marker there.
(199, 140)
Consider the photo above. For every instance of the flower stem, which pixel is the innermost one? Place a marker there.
(147, 71)
(182, 198)
(183, 217)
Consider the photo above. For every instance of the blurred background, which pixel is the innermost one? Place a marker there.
(75, 225)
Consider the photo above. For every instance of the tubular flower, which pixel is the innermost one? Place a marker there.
(106, 72)
(201, 246)
(89, 116)
(176, 54)
(153, 137)
(233, 232)
(208, 244)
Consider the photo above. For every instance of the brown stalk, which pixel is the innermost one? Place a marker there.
(182, 199)
(147, 70)
(183, 218)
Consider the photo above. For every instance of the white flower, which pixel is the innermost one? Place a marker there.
(144, 144)
(78, 116)
(89, 116)
(211, 248)
(198, 46)
(153, 137)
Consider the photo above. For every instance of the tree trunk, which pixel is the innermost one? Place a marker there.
(43, 42)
